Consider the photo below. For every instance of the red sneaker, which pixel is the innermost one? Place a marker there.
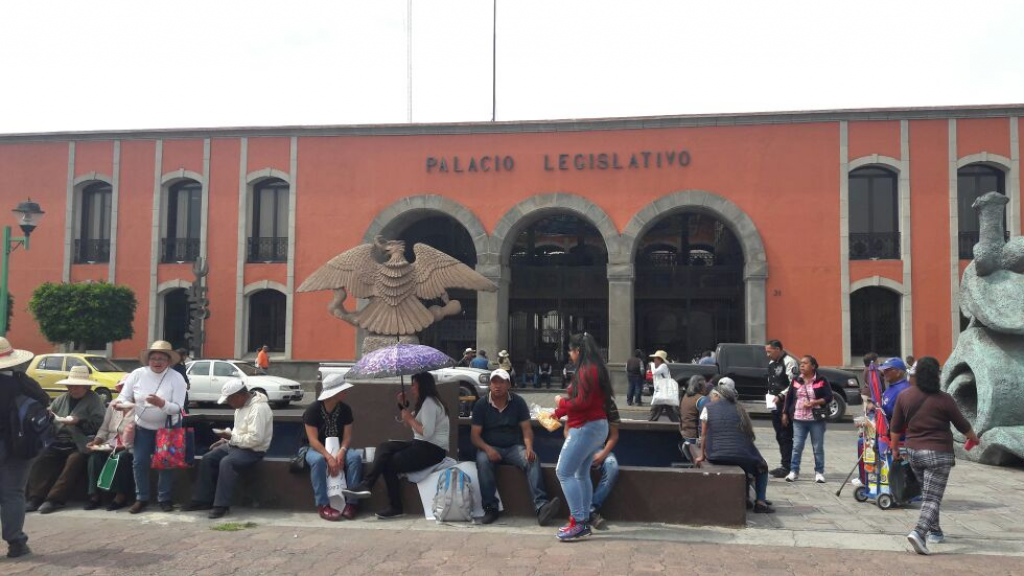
(328, 513)
(349, 513)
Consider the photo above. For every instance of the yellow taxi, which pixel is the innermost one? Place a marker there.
(48, 369)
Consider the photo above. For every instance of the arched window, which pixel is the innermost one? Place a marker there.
(93, 242)
(875, 322)
(972, 181)
(183, 221)
(874, 214)
(268, 240)
(267, 320)
(176, 312)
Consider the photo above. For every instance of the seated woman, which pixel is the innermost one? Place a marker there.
(330, 417)
(429, 422)
(115, 437)
(689, 415)
(727, 437)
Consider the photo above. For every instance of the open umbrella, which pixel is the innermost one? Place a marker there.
(399, 360)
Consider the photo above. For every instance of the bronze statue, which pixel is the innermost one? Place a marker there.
(394, 286)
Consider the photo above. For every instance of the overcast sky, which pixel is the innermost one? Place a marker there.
(93, 65)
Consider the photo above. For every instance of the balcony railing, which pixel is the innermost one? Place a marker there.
(267, 250)
(967, 242)
(875, 246)
(92, 251)
(179, 249)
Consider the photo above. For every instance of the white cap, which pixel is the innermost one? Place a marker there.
(501, 373)
(333, 384)
(230, 387)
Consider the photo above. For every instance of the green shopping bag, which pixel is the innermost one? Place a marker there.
(106, 479)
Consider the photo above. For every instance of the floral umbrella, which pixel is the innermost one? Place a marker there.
(399, 360)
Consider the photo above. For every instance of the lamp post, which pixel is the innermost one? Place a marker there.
(29, 214)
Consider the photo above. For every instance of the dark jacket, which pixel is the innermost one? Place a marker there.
(780, 373)
(726, 443)
(821, 387)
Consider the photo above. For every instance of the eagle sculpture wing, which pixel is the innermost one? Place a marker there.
(436, 272)
(352, 270)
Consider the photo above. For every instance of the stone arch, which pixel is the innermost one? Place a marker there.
(879, 281)
(264, 173)
(242, 336)
(162, 291)
(995, 160)
(175, 176)
(534, 207)
(264, 285)
(166, 287)
(755, 260)
(888, 162)
(91, 177)
(397, 216)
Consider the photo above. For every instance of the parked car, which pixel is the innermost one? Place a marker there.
(747, 365)
(48, 369)
(474, 383)
(206, 378)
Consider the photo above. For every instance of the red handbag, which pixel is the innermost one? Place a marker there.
(650, 376)
(175, 447)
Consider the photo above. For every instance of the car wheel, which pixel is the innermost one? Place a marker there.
(836, 408)
(860, 494)
(467, 398)
(104, 394)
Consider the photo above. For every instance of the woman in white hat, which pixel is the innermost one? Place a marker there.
(156, 392)
(14, 461)
(666, 390)
(505, 363)
(79, 413)
(330, 417)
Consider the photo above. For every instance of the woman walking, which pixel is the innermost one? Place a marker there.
(805, 405)
(587, 428)
(429, 423)
(924, 414)
(666, 390)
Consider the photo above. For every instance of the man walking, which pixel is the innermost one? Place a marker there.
(781, 370)
(263, 359)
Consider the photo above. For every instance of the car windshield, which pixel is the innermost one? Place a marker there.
(101, 364)
(247, 369)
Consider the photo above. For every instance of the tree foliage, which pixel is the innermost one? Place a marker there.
(84, 313)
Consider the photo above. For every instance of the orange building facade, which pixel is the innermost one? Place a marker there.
(836, 232)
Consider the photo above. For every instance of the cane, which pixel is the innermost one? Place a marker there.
(850, 475)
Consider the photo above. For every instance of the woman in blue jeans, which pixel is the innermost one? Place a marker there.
(807, 392)
(330, 417)
(587, 430)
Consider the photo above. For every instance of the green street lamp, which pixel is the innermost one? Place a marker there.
(29, 214)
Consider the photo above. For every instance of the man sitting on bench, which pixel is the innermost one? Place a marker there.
(239, 448)
(501, 432)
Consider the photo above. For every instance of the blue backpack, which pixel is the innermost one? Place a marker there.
(31, 427)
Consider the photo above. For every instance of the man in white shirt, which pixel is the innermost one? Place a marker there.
(239, 448)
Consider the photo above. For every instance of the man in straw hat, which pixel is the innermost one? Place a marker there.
(79, 413)
(14, 465)
(157, 393)
(238, 449)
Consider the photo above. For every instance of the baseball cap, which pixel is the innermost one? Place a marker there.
(230, 387)
(501, 373)
(727, 383)
(895, 363)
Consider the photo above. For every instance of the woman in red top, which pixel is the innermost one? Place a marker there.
(587, 430)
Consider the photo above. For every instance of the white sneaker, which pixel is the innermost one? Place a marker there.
(819, 477)
(936, 538)
(918, 543)
(792, 476)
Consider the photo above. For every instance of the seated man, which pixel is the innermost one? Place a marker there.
(530, 374)
(239, 448)
(544, 375)
(501, 432)
(330, 417)
(608, 465)
(79, 413)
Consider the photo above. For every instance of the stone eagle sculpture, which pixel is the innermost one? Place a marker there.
(394, 286)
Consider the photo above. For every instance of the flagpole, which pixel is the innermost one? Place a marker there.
(494, 62)
(408, 58)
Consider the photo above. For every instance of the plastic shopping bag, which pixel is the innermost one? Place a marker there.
(335, 484)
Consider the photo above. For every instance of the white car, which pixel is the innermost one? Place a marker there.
(206, 377)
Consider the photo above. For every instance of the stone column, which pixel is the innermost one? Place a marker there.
(620, 321)
(492, 310)
(756, 308)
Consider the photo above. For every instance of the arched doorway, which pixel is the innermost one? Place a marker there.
(267, 320)
(689, 291)
(453, 334)
(559, 267)
(176, 311)
(875, 322)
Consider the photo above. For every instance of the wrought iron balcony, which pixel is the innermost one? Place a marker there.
(179, 249)
(267, 250)
(875, 246)
(89, 251)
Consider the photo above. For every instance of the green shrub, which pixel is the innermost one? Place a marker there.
(83, 313)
